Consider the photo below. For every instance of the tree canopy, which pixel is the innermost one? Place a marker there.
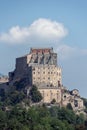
(35, 94)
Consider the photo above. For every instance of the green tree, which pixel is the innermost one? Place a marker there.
(80, 119)
(16, 97)
(54, 111)
(68, 115)
(35, 94)
(3, 120)
(57, 124)
(21, 84)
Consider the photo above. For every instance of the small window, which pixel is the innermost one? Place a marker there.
(51, 85)
(64, 96)
(76, 103)
(33, 72)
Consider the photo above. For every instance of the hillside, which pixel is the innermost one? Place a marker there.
(41, 118)
(17, 112)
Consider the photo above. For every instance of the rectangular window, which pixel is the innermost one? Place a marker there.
(48, 77)
(33, 72)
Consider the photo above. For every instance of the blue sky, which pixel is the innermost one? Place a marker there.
(61, 24)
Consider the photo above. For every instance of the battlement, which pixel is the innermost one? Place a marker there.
(41, 50)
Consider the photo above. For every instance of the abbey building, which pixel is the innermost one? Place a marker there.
(40, 68)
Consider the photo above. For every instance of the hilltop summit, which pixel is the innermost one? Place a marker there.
(39, 68)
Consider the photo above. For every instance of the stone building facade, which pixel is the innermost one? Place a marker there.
(46, 75)
(72, 97)
(49, 94)
(40, 68)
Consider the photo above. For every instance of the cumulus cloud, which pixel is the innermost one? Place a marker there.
(41, 29)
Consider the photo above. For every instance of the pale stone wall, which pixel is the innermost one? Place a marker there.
(75, 92)
(48, 75)
(65, 98)
(29, 58)
(3, 80)
(49, 94)
(75, 100)
(77, 103)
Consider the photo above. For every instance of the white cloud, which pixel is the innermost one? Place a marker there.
(67, 52)
(15, 34)
(40, 30)
(43, 31)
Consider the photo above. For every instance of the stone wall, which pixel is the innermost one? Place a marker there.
(48, 75)
(43, 56)
(49, 94)
(3, 79)
(75, 100)
(20, 69)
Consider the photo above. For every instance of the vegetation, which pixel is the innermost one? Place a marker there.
(35, 95)
(17, 95)
(13, 116)
(41, 118)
